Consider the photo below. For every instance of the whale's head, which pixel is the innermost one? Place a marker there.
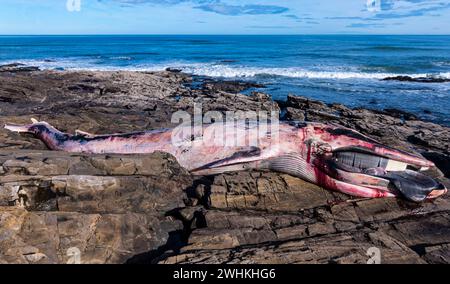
(351, 162)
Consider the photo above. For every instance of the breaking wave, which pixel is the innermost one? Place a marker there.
(226, 71)
(221, 70)
(236, 72)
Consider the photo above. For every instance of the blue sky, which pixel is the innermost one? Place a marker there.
(225, 17)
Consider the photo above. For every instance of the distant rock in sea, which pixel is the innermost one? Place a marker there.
(173, 70)
(417, 79)
(228, 61)
(17, 67)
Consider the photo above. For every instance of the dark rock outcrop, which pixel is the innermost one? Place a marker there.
(417, 79)
(17, 67)
(232, 87)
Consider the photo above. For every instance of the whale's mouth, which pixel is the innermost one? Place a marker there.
(369, 169)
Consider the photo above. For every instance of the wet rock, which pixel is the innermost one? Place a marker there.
(417, 79)
(17, 67)
(300, 102)
(442, 161)
(233, 87)
(400, 114)
(173, 70)
(294, 114)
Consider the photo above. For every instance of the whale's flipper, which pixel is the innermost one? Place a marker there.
(241, 156)
(243, 159)
(230, 168)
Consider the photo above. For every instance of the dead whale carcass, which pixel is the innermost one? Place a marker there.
(331, 156)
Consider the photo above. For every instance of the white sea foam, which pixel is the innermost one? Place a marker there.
(232, 72)
(243, 72)
(221, 70)
(50, 63)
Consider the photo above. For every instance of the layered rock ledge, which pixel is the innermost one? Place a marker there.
(59, 207)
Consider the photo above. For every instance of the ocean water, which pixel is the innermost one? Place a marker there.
(334, 68)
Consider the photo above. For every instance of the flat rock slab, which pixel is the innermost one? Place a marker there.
(106, 209)
(321, 231)
(71, 237)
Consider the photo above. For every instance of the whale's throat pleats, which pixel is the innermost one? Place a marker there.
(293, 164)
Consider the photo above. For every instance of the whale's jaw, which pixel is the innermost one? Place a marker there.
(358, 165)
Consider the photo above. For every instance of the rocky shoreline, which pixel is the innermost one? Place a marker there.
(58, 207)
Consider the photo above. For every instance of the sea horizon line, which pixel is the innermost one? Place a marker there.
(131, 34)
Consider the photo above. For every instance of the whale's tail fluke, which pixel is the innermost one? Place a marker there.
(27, 128)
(42, 130)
